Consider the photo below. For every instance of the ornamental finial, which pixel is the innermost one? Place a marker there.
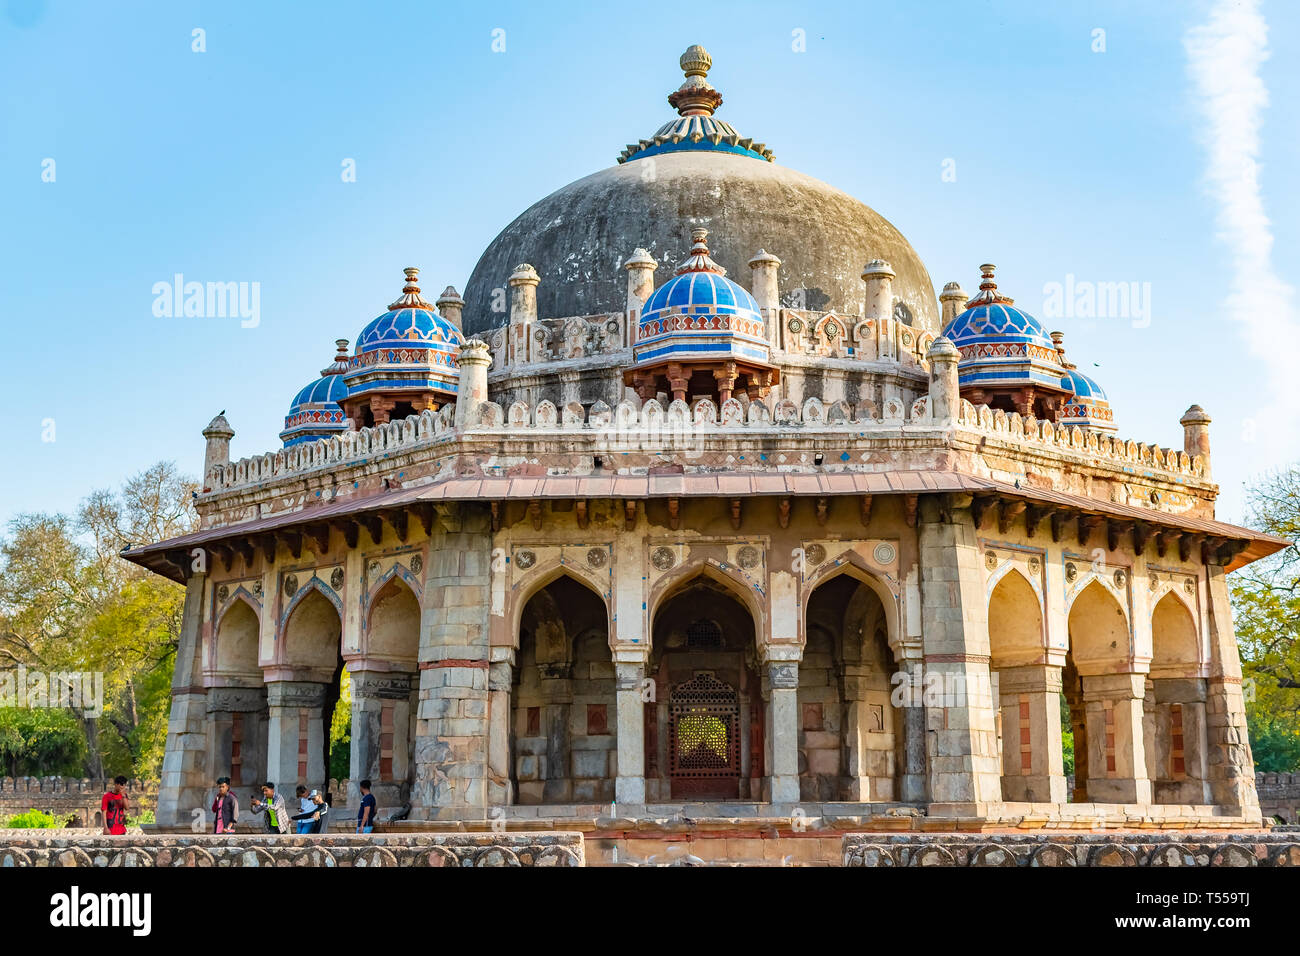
(410, 297)
(340, 363)
(698, 260)
(695, 97)
(988, 293)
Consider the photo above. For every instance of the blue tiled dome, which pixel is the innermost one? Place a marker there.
(996, 322)
(702, 292)
(407, 328)
(1083, 386)
(317, 410)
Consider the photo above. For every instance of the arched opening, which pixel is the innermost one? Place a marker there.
(564, 716)
(850, 738)
(384, 697)
(704, 727)
(237, 726)
(1109, 758)
(1027, 691)
(313, 659)
(1176, 721)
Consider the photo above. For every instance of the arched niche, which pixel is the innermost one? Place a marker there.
(1099, 632)
(393, 625)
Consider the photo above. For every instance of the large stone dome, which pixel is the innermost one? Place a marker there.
(579, 236)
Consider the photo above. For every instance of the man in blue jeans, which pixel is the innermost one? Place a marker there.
(366, 815)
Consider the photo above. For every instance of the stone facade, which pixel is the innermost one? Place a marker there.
(70, 799)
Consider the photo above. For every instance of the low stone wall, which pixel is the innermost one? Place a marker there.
(70, 848)
(1188, 848)
(1279, 795)
(69, 798)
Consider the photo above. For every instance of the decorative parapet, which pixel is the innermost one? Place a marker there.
(18, 849)
(20, 785)
(1105, 448)
(521, 421)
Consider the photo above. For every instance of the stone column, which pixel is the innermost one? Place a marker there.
(450, 305)
(767, 293)
(879, 278)
(952, 302)
(1231, 766)
(381, 720)
(945, 393)
(472, 384)
(1177, 743)
(295, 735)
(961, 738)
(781, 734)
(854, 685)
(500, 674)
(1196, 434)
(1117, 763)
(629, 785)
(237, 722)
(452, 730)
(640, 284)
(557, 697)
(183, 785)
(912, 714)
(1033, 767)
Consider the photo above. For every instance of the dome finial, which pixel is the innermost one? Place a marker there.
(698, 260)
(410, 297)
(695, 97)
(340, 364)
(988, 293)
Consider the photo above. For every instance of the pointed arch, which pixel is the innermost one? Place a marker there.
(237, 637)
(854, 565)
(311, 629)
(1015, 622)
(534, 582)
(730, 579)
(1175, 641)
(392, 622)
(1101, 638)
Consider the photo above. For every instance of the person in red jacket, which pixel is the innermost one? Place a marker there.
(114, 806)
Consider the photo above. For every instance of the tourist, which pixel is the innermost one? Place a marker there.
(114, 806)
(305, 806)
(366, 815)
(316, 818)
(272, 804)
(225, 808)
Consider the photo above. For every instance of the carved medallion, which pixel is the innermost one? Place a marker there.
(290, 585)
(525, 559)
(257, 588)
(884, 553)
(1035, 565)
(991, 560)
(1153, 580)
(815, 554)
(1189, 586)
(1119, 579)
(611, 326)
(796, 325)
(748, 557)
(1071, 572)
(373, 569)
(663, 558)
(336, 579)
(417, 564)
(832, 330)
(223, 592)
(597, 557)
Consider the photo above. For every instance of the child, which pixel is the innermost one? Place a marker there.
(305, 805)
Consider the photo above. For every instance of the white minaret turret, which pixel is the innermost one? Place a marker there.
(640, 282)
(879, 277)
(218, 435)
(945, 394)
(952, 303)
(450, 305)
(523, 294)
(472, 386)
(766, 291)
(1196, 434)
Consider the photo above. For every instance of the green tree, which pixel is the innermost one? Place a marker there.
(1266, 604)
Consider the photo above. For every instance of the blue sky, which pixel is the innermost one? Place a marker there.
(225, 166)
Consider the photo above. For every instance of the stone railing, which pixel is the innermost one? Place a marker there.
(20, 785)
(1279, 795)
(1030, 431)
(20, 848)
(74, 802)
(1046, 848)
(653, 420)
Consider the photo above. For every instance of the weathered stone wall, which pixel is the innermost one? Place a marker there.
(1187, 848)
(1279, 795)
(18, 848)
(69, 799)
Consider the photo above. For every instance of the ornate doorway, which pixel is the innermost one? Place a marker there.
(704, 739)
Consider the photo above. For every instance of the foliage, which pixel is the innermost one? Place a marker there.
(33, 820)
(141, 818)
(1266, 605)
(41, 742)
(341, 731)
(69, 602)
